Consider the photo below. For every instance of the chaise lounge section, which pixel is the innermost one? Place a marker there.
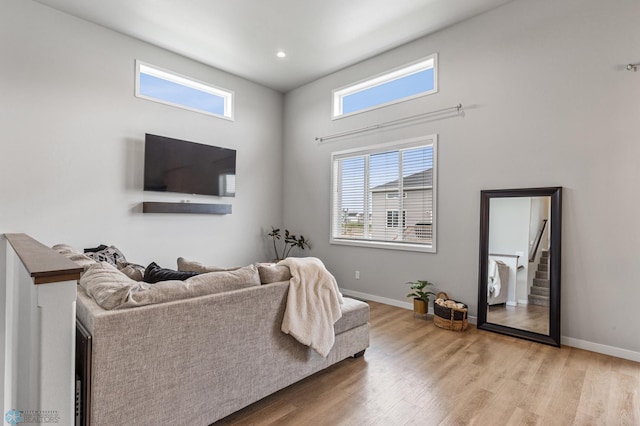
(196, 360)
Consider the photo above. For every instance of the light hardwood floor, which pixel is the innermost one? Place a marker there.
(417, 374)
(526, 317)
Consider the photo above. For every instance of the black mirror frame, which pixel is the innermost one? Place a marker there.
(555, 258)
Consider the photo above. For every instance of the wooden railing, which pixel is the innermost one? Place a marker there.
(420, 232)
(536, 243)
(38, 346)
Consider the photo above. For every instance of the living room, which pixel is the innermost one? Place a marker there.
(547, 101)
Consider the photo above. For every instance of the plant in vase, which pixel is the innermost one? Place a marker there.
(420, 296)
(290, 241)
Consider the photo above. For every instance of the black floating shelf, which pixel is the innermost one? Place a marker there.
(156, 207)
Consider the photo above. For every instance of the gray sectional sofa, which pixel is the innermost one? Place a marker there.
(196, 360)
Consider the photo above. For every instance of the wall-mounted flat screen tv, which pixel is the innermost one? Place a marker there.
(174, 165)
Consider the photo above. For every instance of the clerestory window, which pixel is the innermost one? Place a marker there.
(166, 87)
(416, 79)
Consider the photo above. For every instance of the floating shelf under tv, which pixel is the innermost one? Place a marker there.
(196, 208)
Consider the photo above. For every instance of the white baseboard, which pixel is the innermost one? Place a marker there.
(373, 298)
(523, 302)
(564, 340)
(392, 302)
(601, 349)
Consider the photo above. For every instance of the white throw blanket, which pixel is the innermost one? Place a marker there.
(494, 278)
(313, 304)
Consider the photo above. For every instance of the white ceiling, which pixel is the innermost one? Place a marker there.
(243, 36)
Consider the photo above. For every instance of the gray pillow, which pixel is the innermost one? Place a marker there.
(74, 255)
(81, 260)
(185, 265)
(111, 289)
(66, 249)
(273, 273)
(133, 271)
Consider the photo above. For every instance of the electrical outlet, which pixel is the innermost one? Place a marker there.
(357, 275)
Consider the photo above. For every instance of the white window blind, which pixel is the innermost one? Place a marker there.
(366, 202)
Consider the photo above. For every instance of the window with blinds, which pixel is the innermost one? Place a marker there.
(385, 196)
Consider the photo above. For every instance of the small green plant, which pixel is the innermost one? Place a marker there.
(418, 287)
(290, 241)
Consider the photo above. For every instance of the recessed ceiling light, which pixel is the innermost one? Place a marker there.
(281, 54)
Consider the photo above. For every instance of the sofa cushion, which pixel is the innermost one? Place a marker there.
(74, 255)
(132, 270)
(193, 266)
(111, 289)
(154, 273)
(81, 260)
(272, 273)
(354, 314)
(65, 249)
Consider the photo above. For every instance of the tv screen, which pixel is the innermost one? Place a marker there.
(174, 165)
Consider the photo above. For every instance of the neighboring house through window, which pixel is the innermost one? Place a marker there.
(367, 183)
(393, 219)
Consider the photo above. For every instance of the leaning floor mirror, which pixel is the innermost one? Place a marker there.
(519, 271)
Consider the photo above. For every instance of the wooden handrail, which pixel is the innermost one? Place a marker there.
(43, 264)
(532, 255)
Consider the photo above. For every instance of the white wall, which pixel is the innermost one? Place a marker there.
(509, 225)
(72, 144)
(509, 220)
(548, 102)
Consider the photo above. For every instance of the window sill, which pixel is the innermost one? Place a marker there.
(385, 245)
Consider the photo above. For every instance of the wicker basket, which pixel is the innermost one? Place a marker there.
(449, 318)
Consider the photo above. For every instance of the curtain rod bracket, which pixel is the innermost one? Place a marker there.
(633, 67)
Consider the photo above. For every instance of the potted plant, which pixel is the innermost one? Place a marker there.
(420, 296)
(290, 241)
